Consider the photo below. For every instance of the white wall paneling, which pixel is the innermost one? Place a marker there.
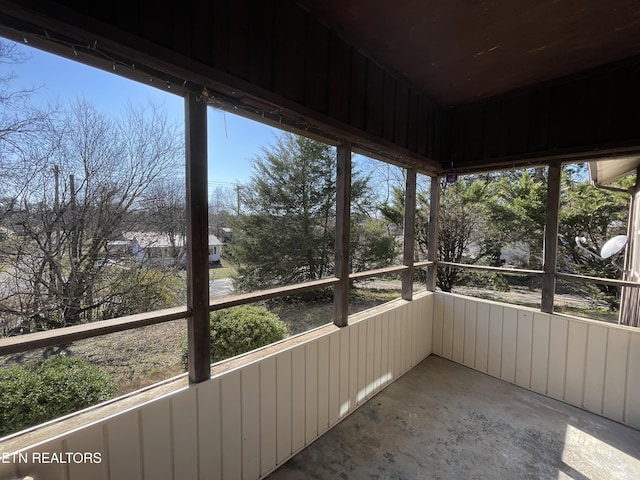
(243, 423)
(582, 362)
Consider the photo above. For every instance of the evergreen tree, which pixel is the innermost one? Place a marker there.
(285, 231)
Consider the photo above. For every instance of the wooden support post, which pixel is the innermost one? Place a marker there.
(343, 227)
(432, 252)
(630, 296)
(409, 233)
(551, 237)
(199, 355)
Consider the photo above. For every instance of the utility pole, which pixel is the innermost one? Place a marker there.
(238, 187)
(56, 225)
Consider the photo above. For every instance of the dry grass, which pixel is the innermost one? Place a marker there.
(141, 357)
(133, 358)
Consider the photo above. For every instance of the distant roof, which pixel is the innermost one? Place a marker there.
(214, 241)
(161, 240)
(609, 170)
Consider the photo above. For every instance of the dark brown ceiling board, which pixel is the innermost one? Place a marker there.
(461, 51)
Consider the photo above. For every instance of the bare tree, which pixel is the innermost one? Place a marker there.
(222, 203)
(84, 178)
(20, 122)
(165, 212)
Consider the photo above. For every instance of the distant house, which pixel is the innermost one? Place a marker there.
(215, 249)
(227, 234)
(517, 254)
(157, 248)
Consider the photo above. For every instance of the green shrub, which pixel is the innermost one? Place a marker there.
(241, 329)
(36, 393)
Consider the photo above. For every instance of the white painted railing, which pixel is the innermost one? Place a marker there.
(586, 363)
(258, 411)
(246, 420)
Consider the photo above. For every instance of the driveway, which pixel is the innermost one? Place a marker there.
(220, 288)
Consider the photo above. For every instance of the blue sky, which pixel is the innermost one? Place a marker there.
(233, 140)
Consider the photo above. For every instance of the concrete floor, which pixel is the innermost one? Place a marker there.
(445, 421)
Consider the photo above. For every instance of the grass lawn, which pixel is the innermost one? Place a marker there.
(300, 316)
(226, 270)
(596, 313)
(141, 357)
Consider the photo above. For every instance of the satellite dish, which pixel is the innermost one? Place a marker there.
(613, 246)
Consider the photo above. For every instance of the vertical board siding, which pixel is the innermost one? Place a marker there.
(220, 35)
(370, 360)
(616, 377)
(354, 336)
(438, 324)
(427, 321)
(90, 440)
(123, 446)
(384, 353)
(155, 422)
(335, 399)
(524, 339)
(509, 339)
(482, 337)
(311, 392)
(51, 471)
(375, 95)
(595, 368)
(573, 114)
(404, 350)
(10, 470)
(345, 372)
(209, 434)
(284, 446)
(245, 422)
(389, 103)
(298, 392)
(576, 355)
(184, 424)
(377, 352)
(410, 336)
(632, 404)
(261, 43)
(275, 49)
(290, 53)
(316, 65)
(250, 418)
(339, 78)
(361, 384)
(494, 366)
(540, 352)
(323, 385)
(239, 23)
(357, 90)
(585, 363)
(401, 115)
(558, 341)
(447, 327)
(458, 330)
(470, 334)
(231, 414)
(391, 356)
(268, 415)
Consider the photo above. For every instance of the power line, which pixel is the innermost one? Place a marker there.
(214, 183)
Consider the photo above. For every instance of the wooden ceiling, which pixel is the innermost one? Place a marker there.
(459, 51)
